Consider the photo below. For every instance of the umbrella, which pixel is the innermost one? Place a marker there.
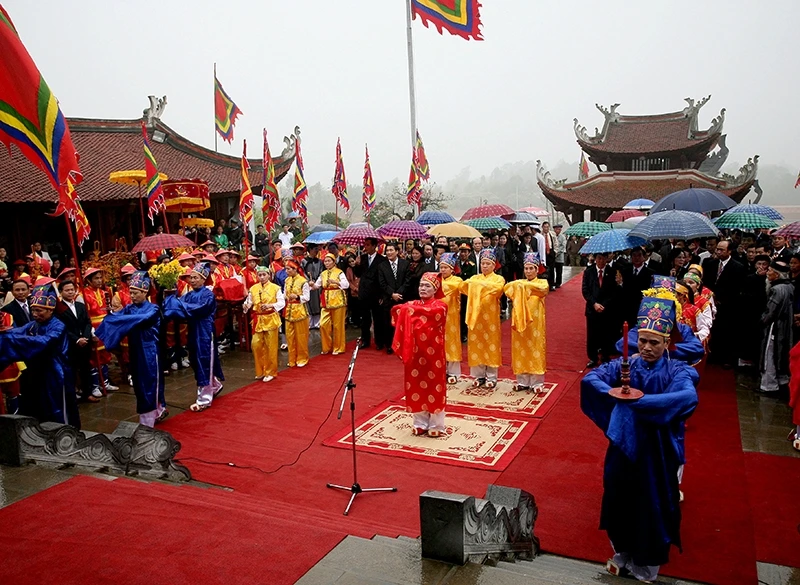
(355, 234)
(403, 229)
(488, 223)
(640, 204)
(611, 241)
(586, 229)
(434, 217)
(292, 215)
(744, 221)
(454, 230)
(791, 230)
(764, 210)
(629, 223)
(494, 210)
(698, 200)
(522, 217)
(675, 223)
(320, 237)
(325, 227)
(623, 215)
(537, 211)
(162, 242)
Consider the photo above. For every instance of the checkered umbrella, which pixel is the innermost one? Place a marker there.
(494, 210)
(611, 241)
(744, 221)
(623, 215)
(676, 223)
(488, 223)
(586, 229)
(162, 242)
(764, 210)
(791, 230)
(355, 234)
(403, 230)
(434, 217)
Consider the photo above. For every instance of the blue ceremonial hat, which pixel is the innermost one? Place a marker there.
(532, 258)
(287, 254)
(44, 296)
(656, 315)
(488, 253)
(203, 269)
(667, 282)
(448, 258)
(140, 280)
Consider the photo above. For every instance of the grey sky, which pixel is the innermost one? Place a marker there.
(338, 68)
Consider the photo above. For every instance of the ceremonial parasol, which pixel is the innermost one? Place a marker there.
(493, 210)
(586, 229)
(488, 223)
(697, 200)
(355, 234)
(186, 195)
(325, 227)
(522, 217)
(744, 221)
(134, 177)
(454, 230)
(537, 211)
(403, 230)
(434, 217)
(162, 242)
(196, 222)
(764, 210)
(676, 223)
(624, 214)
(320, 237)
(640, 204)
(611, 241)
(791, 230)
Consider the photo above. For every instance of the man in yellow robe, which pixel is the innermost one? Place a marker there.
(332, 283)
(528, 337)
(452, 297)
(483, 320)
(266, 300)
(296, 292)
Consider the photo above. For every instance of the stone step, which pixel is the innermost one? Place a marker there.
(402, 543)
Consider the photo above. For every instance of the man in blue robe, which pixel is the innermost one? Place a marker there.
(140, 321)
(198, 307)
(687, 349)
(49, 392)
(640, 510)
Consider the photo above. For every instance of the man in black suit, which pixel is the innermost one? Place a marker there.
(79, 333)
(725, 277)
(366, 269)
(19, 308)
(634, 277)
(392, 282)
(599, 287)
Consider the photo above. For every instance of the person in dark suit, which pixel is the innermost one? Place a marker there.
(366, 269)
(725, 277)
(19, 307)
(633, 279)
(79, 334)
(599, 287)
(780, 251)
(392, 279)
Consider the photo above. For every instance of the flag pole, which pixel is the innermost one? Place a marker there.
(215, 106)
(412, 96)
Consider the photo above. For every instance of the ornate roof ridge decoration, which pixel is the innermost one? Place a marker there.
(544, 177)
(747, 174)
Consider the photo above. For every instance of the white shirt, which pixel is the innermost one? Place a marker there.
(286, 239)
(540, 245)
(72, 307)
(25, 308)
(371, 257)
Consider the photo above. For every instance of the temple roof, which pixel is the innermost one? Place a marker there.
(612, 190)
(115, 145)
(657, 134)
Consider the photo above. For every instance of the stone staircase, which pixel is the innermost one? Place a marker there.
(396, 561)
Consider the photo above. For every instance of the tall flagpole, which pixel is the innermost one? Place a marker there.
(412, 94)
(215, 106)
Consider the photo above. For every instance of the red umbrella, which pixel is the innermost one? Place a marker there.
(624, 214)
(403, 230)
(355, 234)
(161, 242)
(790, 231)
(494, 210)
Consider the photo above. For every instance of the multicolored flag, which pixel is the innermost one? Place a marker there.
(29, 114)
(368, 199)
(68, 203)
(225, 111)
(797, 182)
(155, 193)
(339, 188)
(414, 190)
(583, 168)
(246, 201)
(423, 169)
(458, 17)
(271, 204)
(300, 188)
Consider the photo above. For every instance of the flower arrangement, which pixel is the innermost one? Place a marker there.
(166, 275)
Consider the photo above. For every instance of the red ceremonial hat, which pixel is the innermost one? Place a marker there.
(127, 269)
(90, 272)
(207, 243)
(222, 251)
(186, 256)
(186, 272)
(199, 252)
(251, 257)
(210, 258)
(64, 272)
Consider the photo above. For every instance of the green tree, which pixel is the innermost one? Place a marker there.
(330, 217)
(392, 203)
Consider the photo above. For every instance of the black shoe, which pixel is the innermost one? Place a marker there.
(378, 347)
(363, 345)
(389, 351)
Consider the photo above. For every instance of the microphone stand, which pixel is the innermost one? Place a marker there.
(356, 488)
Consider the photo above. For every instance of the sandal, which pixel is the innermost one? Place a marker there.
(164, 414)
(616, 570)
(521, 388)
(491, 384)
(796, 444)
(418, 432)
(198, 407)
(284, 347)
(478, 382)
(435, 434)
(452, 380)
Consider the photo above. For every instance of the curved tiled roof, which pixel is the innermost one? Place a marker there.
(115, 145)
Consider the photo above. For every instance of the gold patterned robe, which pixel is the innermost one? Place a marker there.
(528, 335)
(483, 319)
(452, 336)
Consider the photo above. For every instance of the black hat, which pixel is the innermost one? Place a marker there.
(779, 265)
(762, 258)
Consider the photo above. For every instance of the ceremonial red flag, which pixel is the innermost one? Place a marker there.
(29, 114)
(368, 199)
(423, 169)
(154, 190)
(225, 111)
(339, 188)
(583, 168)
(414, 190)
(796, 183)
(458, 17)
(271, 205)
(246, 193)
(300, 188)
(68, 203)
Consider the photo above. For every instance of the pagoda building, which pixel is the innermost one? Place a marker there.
(646, 157)
(113, 210)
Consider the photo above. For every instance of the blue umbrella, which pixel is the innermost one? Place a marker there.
(320, 237)
(698, 200)
(435, 218)
(325, 227)
(292, 215)
(640, 204)
(675, 223)
(611, 241)
(764, 210)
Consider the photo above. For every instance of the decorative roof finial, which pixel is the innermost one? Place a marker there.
(153, 113)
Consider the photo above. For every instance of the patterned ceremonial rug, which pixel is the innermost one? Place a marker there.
(480, 442)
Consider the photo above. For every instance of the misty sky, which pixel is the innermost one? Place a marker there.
(338, 68)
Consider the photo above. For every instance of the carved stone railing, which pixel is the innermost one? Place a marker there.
(458, 529)
(132, 449)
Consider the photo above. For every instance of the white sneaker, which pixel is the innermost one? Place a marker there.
(268, 378)
(130, 380)
(173, 366)
(185, 362)
(220, 351)
(96, 392)
(111, 388)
